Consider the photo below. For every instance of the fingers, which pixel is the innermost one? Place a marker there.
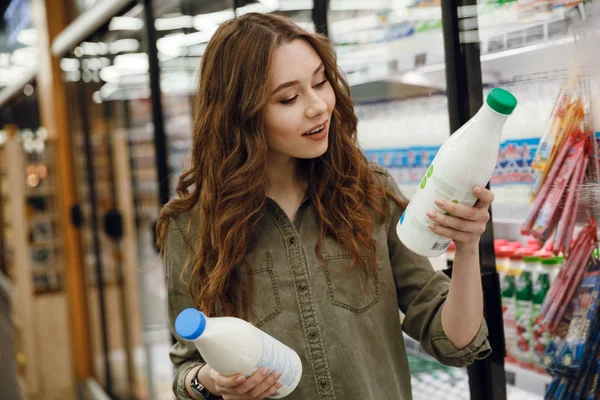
(457, 236)
(270, 392)
(266, 388)
(225, 382)
(478, 214)
(458, 224)
(257, 383)
(461, 222)
(484, 197)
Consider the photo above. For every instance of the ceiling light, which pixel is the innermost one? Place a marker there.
(124, 45)
(173, 23)
(69, 64)
(210, 20)
(28, 37)
(125, 24)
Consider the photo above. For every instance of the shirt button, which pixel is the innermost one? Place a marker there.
(302, 286)
(312, 334)
(292, 241)
(323, 383)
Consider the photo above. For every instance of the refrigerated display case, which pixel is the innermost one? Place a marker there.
(532, 52)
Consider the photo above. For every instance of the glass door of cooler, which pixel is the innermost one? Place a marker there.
(541, 52)
(403, 119)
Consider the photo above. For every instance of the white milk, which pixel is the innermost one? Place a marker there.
(233, 346)
(466, 159)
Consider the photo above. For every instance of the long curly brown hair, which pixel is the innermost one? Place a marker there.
(227, 176)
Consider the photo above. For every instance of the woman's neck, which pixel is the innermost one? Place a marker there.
(284, 178)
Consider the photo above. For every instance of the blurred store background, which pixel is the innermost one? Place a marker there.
(95, 127)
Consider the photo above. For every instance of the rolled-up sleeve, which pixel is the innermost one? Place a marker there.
(421, 295)
(183, 354)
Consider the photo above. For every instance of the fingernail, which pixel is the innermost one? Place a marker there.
(277, 375)
(431, 214)
(477, 189)
(279, 385)
(440, 202)
(432, 227)
(240, 379)
(265, 371)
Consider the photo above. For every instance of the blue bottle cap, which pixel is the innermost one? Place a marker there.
(190, 324)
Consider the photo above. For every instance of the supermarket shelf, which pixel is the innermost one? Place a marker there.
(523, 383)
(37, 271)
(43, 217)
(40, 192)
(530, 381)
(46, 243)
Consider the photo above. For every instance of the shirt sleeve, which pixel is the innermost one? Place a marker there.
(183, 354)
(421, 296)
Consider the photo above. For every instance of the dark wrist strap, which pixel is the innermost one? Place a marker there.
(200, 390)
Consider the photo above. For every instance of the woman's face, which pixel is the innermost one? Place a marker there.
(301, 101)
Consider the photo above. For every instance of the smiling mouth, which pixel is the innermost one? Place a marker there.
(316, 130)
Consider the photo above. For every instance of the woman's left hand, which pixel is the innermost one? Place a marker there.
(464, 224)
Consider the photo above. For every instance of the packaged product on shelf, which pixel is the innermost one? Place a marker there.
(500, 242)
(552, 265)
(541, 336)
(524, 310)
(570, 276)
(578, 342)
(515, 245)
(566, 225)
(562, 120)
(589, 365)
(450, 251)
(593, 383)
(452, 175)
(547, 218)
(509, 290)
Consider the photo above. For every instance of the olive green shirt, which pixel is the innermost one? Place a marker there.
(349, 340)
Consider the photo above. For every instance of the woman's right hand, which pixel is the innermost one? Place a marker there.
(258, 386)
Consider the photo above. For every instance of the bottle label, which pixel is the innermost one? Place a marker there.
(431, 188)
(278, 357)
(541, 336)
(524, 330)
(510, 326)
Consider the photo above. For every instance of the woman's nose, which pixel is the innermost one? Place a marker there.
(316, 107)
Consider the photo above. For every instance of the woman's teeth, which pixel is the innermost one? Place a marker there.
(317, 130)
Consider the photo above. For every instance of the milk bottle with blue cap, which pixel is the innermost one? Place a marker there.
(233, 346)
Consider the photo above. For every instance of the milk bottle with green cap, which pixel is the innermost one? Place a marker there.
(465, 160)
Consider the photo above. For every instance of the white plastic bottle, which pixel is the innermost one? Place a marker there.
(233, 346)
(465, 160)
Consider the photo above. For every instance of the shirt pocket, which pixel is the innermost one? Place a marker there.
(265, 303)
(349, 288)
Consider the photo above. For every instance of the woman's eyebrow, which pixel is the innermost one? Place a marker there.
(293, 83)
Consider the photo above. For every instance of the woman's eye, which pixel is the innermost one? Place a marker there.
(321, 84)
(289, 101)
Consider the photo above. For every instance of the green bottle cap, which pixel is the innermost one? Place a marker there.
(501, 101)
(552, 261)
(532, 259)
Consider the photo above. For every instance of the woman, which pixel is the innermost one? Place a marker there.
(280, 220)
